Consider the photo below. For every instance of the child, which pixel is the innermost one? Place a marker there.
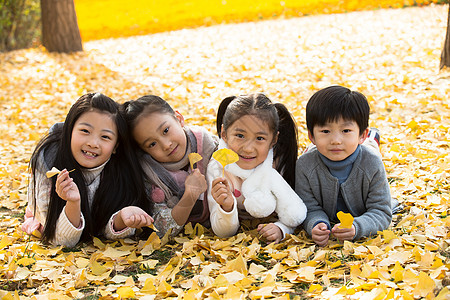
(105, 191)
(178, 190)
(252, 188)
(341, 174)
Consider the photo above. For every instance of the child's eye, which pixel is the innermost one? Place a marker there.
(239, 135)
(325, 131)
(260, 138)
(84, 130)
(151, 145)
(106, 137)
(347, 130)
(166, 130)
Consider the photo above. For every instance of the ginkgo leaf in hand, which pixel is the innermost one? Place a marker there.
(225, 156)
(152, 226)
(54, 171)
(346, 219)
(193, 158)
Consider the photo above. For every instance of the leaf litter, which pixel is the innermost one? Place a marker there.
(391, 56)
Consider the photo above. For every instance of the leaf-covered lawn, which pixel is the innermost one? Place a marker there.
(101, 19)
(392, 56)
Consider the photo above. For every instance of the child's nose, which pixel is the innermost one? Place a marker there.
(93, 142)
(167, 144)
(248, 146)
(336, 138)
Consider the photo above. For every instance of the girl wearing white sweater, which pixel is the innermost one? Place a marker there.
(100, 190)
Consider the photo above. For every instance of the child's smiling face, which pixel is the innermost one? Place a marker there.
(94, 138)
(337, 140)
(251, 138)
(162, 136)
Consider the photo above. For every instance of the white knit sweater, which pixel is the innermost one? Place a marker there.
(66, 234)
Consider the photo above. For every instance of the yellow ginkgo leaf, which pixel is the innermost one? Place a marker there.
(225, 157)
(26, 261)
(346, 219)
(54, 171)
(37, 233)
(152, 226)
(97, 269)
(125, 292)
(193, 158)
(425, 285)
(315, 288)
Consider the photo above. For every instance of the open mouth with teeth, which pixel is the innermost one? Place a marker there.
(89, 154)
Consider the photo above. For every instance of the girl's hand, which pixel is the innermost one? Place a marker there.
(320, 234)
(132, 216)
(343, 234)
(270, 232)
(66, 188)
(221, 193)
(195, 184)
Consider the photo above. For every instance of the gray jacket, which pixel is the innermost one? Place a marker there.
(366, 192)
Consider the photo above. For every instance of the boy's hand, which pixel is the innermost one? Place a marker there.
(195, 184)
(343, 234)
(320, 234)
(270, 232)
(66, 188)
(132, 216)
(221, 193)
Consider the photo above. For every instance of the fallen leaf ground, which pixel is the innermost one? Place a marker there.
(392, 56)
(115, 18)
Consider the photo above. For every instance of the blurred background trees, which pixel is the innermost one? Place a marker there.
(445, 55)
(19, 24)
(28, 23)
(53, 24)
(60, 31)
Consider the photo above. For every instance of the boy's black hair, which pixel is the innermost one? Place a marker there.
(121, 183)
(279, 120)
(335, 102)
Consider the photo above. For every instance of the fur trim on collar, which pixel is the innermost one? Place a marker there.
(265, 191)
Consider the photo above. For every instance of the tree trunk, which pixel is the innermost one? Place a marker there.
(445, 55)
(60, 31)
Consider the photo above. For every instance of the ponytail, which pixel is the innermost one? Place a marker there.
(221, 112)
(285, 150)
